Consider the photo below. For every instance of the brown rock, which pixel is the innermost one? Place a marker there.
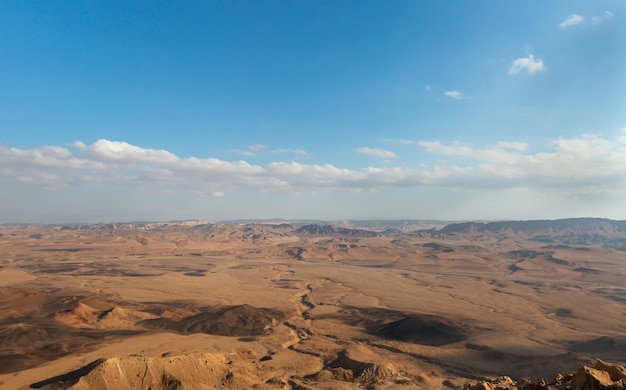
(616, 373)
(481, 386)
(504, 383)
(342, 374)
(541, 385)
(323, 376)
(588, 378)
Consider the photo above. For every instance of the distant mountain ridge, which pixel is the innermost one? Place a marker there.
(574, 225)
(333, 230)
(370, 228)
(572, 231)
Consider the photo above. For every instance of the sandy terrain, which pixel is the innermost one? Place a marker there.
(199, 306)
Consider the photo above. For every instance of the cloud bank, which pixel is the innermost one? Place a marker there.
(580, 164)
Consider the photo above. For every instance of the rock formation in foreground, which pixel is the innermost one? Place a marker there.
(601, 376)
(203, 371)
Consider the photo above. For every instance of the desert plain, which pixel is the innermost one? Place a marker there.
(392, 304)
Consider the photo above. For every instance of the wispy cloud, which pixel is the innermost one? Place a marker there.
(576, 19)
(520, 146)
(607, 15)
(571, 20)
(454, 94)
(299, 152)
(528, 64)
(114, 151)
(588, 163)
(249, 151)
(257, 147)
(401, 141)
(253, 150)
(377, 152)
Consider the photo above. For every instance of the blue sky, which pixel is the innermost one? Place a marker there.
(116, 111)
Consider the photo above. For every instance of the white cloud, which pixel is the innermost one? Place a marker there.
(105, 150)
(50, 156)
(607, 15)
(588, 161)
(521, 146)
(427, 87)
(453, 94)
(571, 20)
(587, 164)
(500, 153)
(528, 64)
(575, 19)
(377, 152)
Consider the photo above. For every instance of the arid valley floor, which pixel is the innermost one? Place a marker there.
(292, 305)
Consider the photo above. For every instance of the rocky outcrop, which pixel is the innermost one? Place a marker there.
(601, 376)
